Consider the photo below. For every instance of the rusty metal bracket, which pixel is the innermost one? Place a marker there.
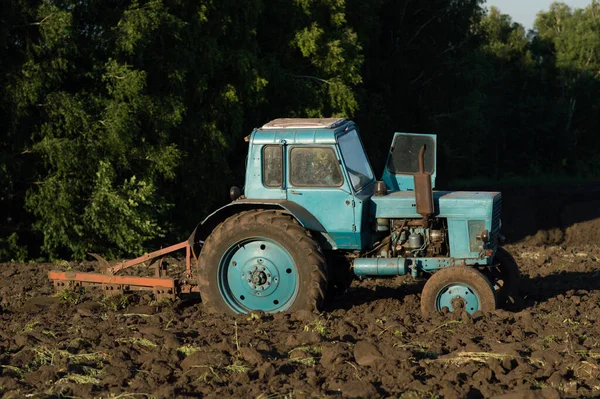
(162, 292)
(113, 289)
(150, 256)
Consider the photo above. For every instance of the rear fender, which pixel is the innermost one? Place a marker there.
(304, 217)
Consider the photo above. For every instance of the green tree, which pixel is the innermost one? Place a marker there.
(138, 108)
(571, 39)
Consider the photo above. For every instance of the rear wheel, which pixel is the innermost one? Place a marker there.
(457, 287)
(261, 260)
(339, 273)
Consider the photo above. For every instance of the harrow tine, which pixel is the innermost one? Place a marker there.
(101, 260)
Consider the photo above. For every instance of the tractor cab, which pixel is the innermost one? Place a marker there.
(319, 165)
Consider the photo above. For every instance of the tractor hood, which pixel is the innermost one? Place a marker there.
(403, 160)
(448, 204)
(467, 214)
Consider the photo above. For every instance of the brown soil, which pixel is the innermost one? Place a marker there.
(371, 342)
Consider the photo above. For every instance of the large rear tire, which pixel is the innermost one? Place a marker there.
(261, 260)
(457, 287)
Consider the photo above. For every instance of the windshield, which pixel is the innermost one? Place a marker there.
(356, 160)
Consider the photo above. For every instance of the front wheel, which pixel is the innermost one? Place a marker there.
(457, 287)
(505, 277)
(261, 260)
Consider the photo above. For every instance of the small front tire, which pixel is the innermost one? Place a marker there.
(505, 277)
(457, 287)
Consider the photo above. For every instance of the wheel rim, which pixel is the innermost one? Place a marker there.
(456, 295)
(258, 274)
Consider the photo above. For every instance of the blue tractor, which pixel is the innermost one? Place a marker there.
(312, 215)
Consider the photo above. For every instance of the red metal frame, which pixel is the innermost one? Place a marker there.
(161, 285)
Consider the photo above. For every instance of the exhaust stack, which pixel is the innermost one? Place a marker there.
(423, 190)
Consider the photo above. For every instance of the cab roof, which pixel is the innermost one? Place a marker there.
(300, 131)
(303, 123)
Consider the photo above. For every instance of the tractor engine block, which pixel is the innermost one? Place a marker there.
(411, 238)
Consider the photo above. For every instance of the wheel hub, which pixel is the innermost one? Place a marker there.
(458, 296)
(259, 278)
(258, 274)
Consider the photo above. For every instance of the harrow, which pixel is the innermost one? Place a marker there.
(112, 283)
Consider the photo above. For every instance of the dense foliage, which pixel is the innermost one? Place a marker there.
(121, 122)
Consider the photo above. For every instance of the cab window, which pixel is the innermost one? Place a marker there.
(315, 167)
(356, 161)
(272, 166)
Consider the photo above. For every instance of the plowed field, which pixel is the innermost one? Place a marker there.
(371, 342)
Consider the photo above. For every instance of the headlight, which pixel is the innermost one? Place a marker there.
(484, 236)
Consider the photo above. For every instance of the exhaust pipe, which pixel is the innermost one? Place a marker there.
(423, 189)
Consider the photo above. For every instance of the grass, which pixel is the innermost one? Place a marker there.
(419, 395)
(550, 339)
(68, 297)
(538, 384)
(306, 361)
(162, 303)
(588, 354)
(317, 326)
(115, 302)
(142, 342)
(30, 326)
(15, 370)
(168, 325)
(478, 357)
(75, 342)
(49, 333)
(237, 341)
(187, 350)
(284, 395)
(44, 356)
(78, 379)
(309, 361)
(237, 368)
(419, 346)
(253, 317)
(312, 349)
(95, 357)
(41, 357)
(214, 372)
(445, 325)
(420, 350)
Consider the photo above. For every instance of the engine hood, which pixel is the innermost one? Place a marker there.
(448, 204)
